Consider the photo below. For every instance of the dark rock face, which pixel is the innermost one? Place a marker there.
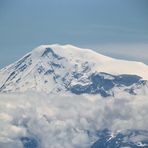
(49, 50)
(121, 140)
(100, 83)
(21, 63)
(29, 142)
(126, 80)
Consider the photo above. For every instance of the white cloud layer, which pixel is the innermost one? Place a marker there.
(66, 121)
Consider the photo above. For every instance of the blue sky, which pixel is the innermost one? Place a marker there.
(118, 28)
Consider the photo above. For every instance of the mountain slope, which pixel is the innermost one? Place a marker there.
(55, 68)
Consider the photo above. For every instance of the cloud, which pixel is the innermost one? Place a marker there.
(66, 121)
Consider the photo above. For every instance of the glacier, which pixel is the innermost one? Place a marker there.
(62, 96)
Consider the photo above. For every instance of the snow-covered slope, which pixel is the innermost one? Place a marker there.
(55, 68)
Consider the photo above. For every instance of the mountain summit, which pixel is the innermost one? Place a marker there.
(56, 68)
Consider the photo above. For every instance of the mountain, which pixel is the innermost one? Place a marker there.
(62, 96)
(66, 68)
(124, 139)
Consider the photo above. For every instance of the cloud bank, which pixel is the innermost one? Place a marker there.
(66, 121)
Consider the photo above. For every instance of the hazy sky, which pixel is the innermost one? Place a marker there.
(118, 28)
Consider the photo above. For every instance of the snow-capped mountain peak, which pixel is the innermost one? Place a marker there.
(55, 68)
(69, 51)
